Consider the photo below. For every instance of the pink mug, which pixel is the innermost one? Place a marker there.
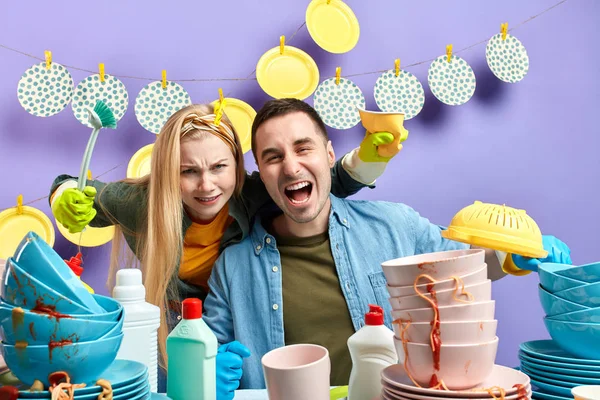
(297, 372)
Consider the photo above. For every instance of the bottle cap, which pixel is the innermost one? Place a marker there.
(129, 285)
(75, 264)
(191, 308)
(374, 316)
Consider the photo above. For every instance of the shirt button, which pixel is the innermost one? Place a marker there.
(268, 240)
(275, 269)
(345, 221)
(258, 247)
(348, 285)
(275, 307)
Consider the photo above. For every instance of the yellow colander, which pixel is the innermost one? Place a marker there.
(497, 227)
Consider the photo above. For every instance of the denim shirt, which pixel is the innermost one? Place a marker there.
(245, 302)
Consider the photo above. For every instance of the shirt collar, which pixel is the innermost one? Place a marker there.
(261, 238)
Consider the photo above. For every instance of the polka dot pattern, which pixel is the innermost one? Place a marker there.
(507, 59)
(112, 92)
(453, 82)
(399, 94)
(154, 105)
(337, 104)
(44, 92)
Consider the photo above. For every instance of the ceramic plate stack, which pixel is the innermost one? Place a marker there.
(554, 372)
(129, 381)
(467, 328)
(398, 386)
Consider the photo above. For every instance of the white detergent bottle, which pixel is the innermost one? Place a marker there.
(192, 352)
(372, 350)
(142, 320)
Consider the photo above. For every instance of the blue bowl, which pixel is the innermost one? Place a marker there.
(84, 361)
(578, 338)
(553, 282)
(39, 329)
(591, 315)
(587, 295)
(113, 310)
(554, 305)
(40, 260)
(21, 289)
(589, 273)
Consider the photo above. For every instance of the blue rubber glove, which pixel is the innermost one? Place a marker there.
(229, 368)
(558, 252)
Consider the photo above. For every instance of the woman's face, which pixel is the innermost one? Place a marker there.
(207, 177)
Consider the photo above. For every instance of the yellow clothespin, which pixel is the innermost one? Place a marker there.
(449, 52)
(338, 74)
(89, 175)
(48, 55)
(504, 30)
(220, 108)
(20, 204)
(101, 69)
(164, 78)
(281, 44)
(397, 66)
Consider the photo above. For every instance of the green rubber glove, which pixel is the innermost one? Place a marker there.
(75, 209)
(368, 147)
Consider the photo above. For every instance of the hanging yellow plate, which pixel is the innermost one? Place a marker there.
(497, 227)
(291, 74)
(332, 25)
(241, 115)
(14, 226)
(139, 165)
(90, 237)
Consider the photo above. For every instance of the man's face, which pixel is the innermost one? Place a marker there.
(294, 163)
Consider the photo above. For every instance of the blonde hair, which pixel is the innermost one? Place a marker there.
(160, 238)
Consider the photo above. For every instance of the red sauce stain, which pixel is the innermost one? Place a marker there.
(58, 377)
(435, 329)
(31, 330)
(52, 345)
(433, 381)
(521, 391)
(467, 365)
(41, 308)
(9, 393)
(481, 326)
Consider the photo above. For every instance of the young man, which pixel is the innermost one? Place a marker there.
(306, 273)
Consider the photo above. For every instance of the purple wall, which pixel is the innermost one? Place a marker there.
(531, 145)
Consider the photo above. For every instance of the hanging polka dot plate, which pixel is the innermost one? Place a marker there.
(293, 74)
(90, 237)
(453, 82)
(337, 103)
(399, 94)
(332, 25)
(45, 92)
(241, 115)
(154, 105)
(112, 92)
(139, 164)
(15, 224)
(508, 58)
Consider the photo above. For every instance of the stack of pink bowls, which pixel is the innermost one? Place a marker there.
(467, 333)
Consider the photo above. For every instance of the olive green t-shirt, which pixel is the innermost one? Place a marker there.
(314, 307)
